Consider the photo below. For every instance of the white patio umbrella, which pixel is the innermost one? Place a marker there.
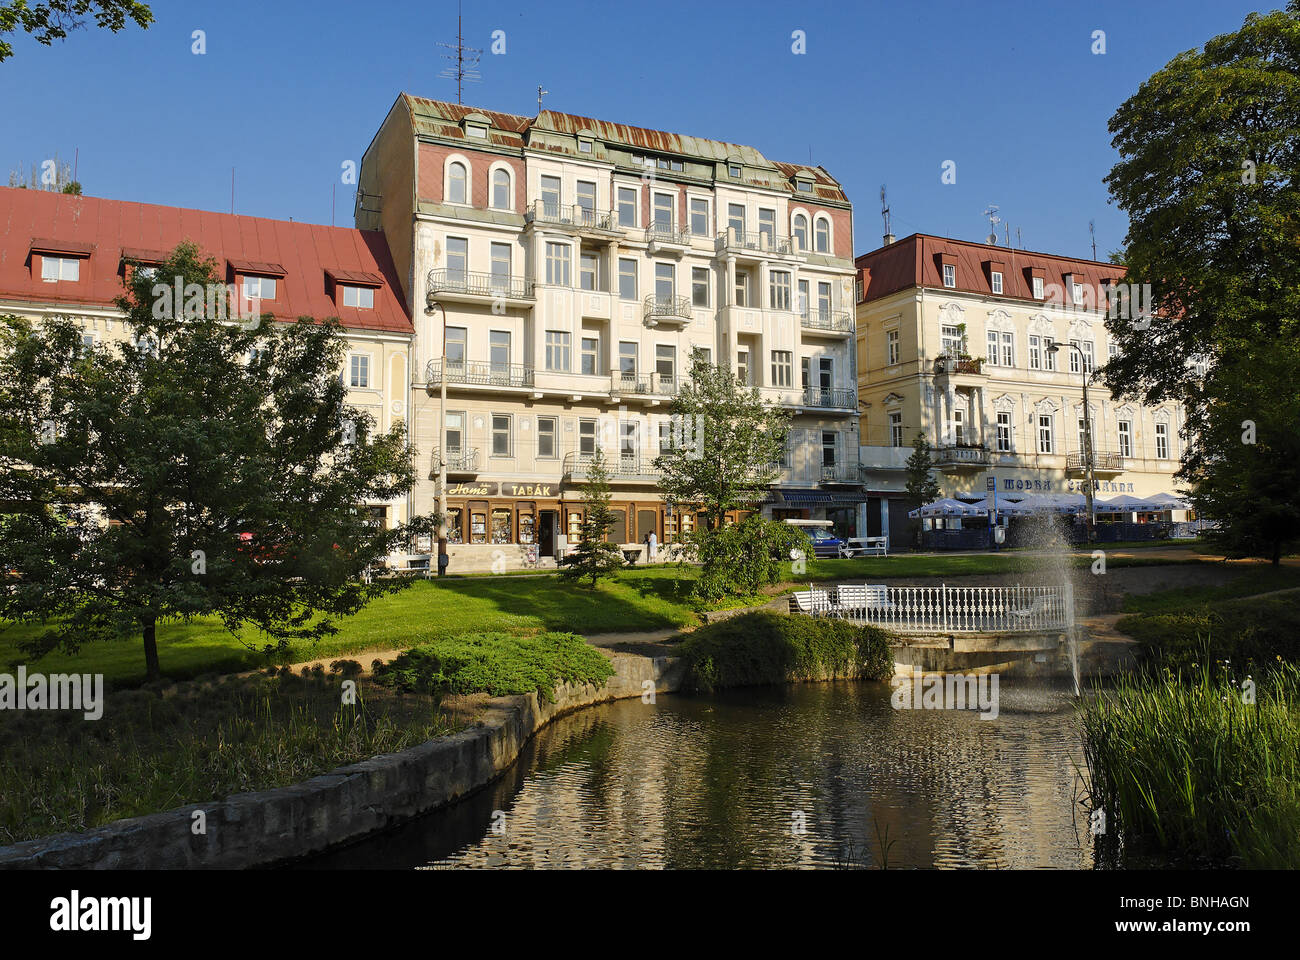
(1124, 503)
(1166, 501)
(1005, 507)
(948, 507)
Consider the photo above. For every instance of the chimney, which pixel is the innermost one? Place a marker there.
(889, 238)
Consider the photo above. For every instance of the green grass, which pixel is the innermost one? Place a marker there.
(1183, 599)
(498, 664)
(1250, 631)
(767, 648)
(1186, 768)
(160, 748)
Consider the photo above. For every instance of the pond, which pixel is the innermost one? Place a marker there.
(818, 775)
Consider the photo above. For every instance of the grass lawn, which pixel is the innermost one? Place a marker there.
(638, 599)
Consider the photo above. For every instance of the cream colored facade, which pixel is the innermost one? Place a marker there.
(1010, 413)
(561, 284)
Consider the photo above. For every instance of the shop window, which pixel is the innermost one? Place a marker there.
(501, 525)
(455, 531)
(527, 527)
(575, 527)
(478, 527)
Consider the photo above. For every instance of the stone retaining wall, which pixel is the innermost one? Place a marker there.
(254, 829)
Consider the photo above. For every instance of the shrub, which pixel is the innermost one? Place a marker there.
(745, 557)
(764, 647)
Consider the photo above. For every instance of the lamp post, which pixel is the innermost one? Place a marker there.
(1087, 436)
(430, 303)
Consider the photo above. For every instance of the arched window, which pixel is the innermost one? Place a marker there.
(800, 231)
(823, 238)
(456, 183)
(501, 189)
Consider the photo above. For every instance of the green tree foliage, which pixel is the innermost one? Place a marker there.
(922, 488)
(201, 467)
(595, 556)
(1209, 157)
(51, 20)
(742, 558)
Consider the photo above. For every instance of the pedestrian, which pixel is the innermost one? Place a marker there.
(652, 547)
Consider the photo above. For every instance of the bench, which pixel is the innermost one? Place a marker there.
(810, 601)
(862, 596)
(861, 546)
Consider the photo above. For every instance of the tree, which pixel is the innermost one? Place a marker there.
(595, 556)
(51, 20)
(922, 488)
(1208, 174)
(727, 445)
(202, 467)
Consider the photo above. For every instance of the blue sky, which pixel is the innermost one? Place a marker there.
(886, 92)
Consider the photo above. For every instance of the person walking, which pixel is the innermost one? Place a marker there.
(652, 547)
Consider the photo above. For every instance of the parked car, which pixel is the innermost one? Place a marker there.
(825, 543)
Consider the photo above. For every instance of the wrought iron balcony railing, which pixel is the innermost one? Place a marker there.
(751, 242)
(625, 466)
(840, 473)
(1103, 461)
(836, 321)
(828, 397)
(451, 280)
(478, 373)
(666, 231)
(464, 460)
(962, 454)
(946, 364)
(572, 215)
(667, 308)
(645, 383)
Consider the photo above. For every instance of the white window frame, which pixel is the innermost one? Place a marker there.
(997, 281)
(1046, 433)
(950, 276)
(363, 298)
(66, 269)
(359, 371)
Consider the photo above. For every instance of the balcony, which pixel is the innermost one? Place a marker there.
(644, 384)
(962, 456)
(667, 310)
(748, 244)
(830, 323)
(470, 287)
(664, 236)
(459, 462)
(1105, 463)
(945, 365)
(479, 374)
(828, 398)
(627, 467)
(575, 217)
(840, 473)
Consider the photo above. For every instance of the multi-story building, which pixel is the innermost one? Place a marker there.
(563, 272)
(65, 255)
(954, 340)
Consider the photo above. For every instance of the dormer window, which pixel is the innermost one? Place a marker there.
(1038, 288)
(584, 146)
(996, 281)
(55, 269)
(734, 170)
(360, 297)
(950, 275)
(803, 185)
(259, 288)
(474, 130)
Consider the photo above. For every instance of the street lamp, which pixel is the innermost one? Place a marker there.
(1087, 435)
(430, 303)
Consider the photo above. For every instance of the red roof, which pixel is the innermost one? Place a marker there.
(917, 261)
(107, 231)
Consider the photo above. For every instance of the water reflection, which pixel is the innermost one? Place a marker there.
(816, 775)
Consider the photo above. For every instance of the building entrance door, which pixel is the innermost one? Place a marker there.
(546, 533)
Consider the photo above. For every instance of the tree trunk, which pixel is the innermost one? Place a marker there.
(151, 668)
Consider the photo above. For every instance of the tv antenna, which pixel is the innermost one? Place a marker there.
(540, 93)
(884, 211)
(991, 212)
(1092, 233)
(465, 58)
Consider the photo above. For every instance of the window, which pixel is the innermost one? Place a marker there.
(803, 186)
(54, 269)
(627, 439)
(550, 197)
(951, 337)
(779, 289)
(1038, 288)
(891, 344)
(455, 433)
(736, 218)
(949, 275)
(457, 259)
(665, 436)
(557, 350)
(704, 353)
(476, 131)
(1162, 441)
(742, 365)
(499, 351)
(800, 232)
(627, 278)
(824, 300)
(665, 282)
(959, 426)
(699, 217)
(663, 212)
(589, 270)
(456, 346)
(992, 356)
(782, 368)
(627, 206)
(742, 288)
(1049, 358)
(767, 228)
(895, 429)
(666, 363)
(1083, 435)
(500, 266)
(557, 264)
(805, 364)
(1008, 349)
(584, 146)
(1074, 357)
(1035, 353)
(1112, 350)
(1125, 438)
(1087, 355)
(88, 344)
(501, 190)
(361, 297)
(1076, 292)
(825, 373)
(627, 364)
(546, 437)
(997, 281)
(457, 183)
(1004, 431)
(586, 437)
(590, 356)
(830, 440)
(822, 238)
(500, 434)
(1044, 433)
(255, 288)
(700, 286)
(586, 196)
(359, 370)
(803, 304)
(733, 170)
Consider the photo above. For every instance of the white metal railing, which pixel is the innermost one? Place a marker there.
(944, 609)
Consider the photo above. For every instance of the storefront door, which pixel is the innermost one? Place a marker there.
(546, 533)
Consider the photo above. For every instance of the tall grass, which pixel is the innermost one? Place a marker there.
(1186, 768)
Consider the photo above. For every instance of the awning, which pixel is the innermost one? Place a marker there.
(806, 497)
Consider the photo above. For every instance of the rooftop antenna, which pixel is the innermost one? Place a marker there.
(1093, 234)
(540, 93)
(465, 58)
(991, 212)
(1019, 243)
(1006, 232)
(884, 212)
(232, 190)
